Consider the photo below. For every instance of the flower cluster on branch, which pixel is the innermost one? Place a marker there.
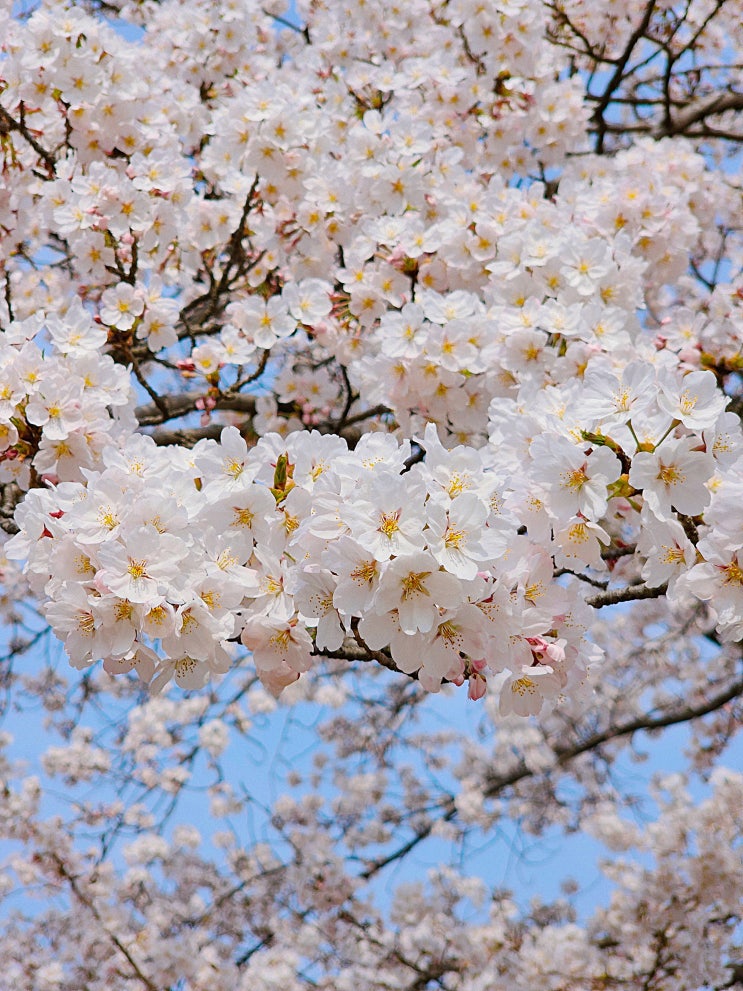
(288, 234)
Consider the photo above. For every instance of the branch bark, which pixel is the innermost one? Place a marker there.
(718, 103)
(173, 406)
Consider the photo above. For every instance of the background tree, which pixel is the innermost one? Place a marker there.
(349, 354)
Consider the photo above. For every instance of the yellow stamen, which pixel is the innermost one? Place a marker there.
(412, 584)
(669, 474)
(365, 573)
(137, 569)
(389, 523)
(524, 686)
(242, 517)
(454, 538)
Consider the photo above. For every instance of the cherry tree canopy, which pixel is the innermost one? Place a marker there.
(351, 353)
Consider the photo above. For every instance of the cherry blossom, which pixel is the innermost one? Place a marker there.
(348, 353)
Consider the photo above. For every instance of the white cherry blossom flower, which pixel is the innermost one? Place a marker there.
(121, 306)
(524, 693)
(357, 574)
(277, 643)
(414, 586)
(388, 520)
(614, 397)
(459, 538)
(314, 599)
(673, 477)
(579, 543)
(718, 578)
(668, 550)
(142, 566)
(694, 399)
(576, 481)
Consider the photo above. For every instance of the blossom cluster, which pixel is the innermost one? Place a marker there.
(62, 401)
(293, 546)
(353, 226)
(298, 543)
(348, 338)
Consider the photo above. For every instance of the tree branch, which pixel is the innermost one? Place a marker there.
(565, 753)
(88, 903)
(618, 73)
(9, 123)
(629, 594)
(173, 406)
(718, 103)
(10, 496)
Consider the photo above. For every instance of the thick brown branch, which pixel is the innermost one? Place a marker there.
(173, 406)
(354, 649)
(718, 103)
(187, 437)
(628, 594)
(10, 496)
